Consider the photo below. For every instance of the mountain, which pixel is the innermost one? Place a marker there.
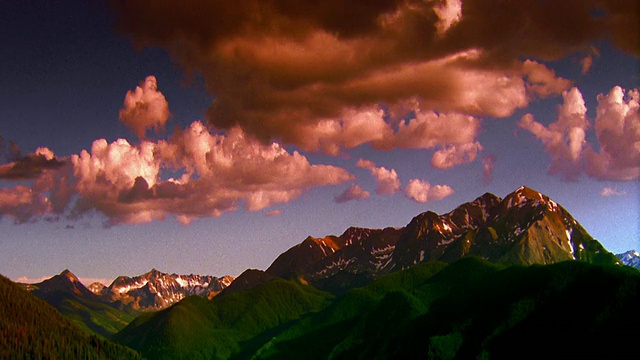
(156, 290)
(337, 262)
(219, 328)
(526, 227)
(86, 309)
(472, 309)
(630, 258)
(107, 310)
(30, 328)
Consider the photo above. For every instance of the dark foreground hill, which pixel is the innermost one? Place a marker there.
(471, 308)
(196, 328)
(32, 329)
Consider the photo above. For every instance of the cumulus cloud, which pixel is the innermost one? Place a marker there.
(563, 139)
(220, 172)
(294, 71)
(387, 180)
(145, 108)
(454, 155)
(617, 128)
(543, 81)
(609, 191)
(354, 192)
(422, 191)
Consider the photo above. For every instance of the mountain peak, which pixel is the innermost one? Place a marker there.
(630, 258)
(66, 273)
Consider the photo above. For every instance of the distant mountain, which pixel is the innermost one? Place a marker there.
(88, 310)
(526, 227)
(224, 326)
(106, 310)
(156, 290)
(630, 258)
(471, 308)
(30, 328)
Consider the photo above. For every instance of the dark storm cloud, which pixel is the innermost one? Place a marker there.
(29, 167)
(283, 69)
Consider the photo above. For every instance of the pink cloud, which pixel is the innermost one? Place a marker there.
(488, 163)
(23, 204)
(30, 166)
(272, 213)
(145, 108)
(295, 75)
(449, 13)
(609, 191)
(543, 81)
(219, 174)
(587, 62)
(387, 180)
(563, 139)
(422, 191)
(354, 192)
(617, 128)
(454, 155)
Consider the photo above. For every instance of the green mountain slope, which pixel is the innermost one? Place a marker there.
(473, 309)
(196, 328)
(32, 329)
(67, 294)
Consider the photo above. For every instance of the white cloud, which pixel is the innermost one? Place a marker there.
(387, 180)
(422, 191)
(609, 191)
(145, 108)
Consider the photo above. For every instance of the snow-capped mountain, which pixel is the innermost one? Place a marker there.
(156, 290)
(525, 227)
(630, 258)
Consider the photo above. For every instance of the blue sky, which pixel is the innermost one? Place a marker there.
(327, 94)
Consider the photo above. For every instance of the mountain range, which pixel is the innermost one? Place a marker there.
(630, 258)
(106, 310)
(526, 227)
(492, 273)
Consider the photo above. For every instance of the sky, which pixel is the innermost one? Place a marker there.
(209, 137)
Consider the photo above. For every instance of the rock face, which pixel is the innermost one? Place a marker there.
(630, 258)
(156, 290)
(151, 291)
(335, 262)
(526, 227)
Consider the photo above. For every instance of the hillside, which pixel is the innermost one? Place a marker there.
(32, 329)
(473, 309)
(196, 328)
(69, 296)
